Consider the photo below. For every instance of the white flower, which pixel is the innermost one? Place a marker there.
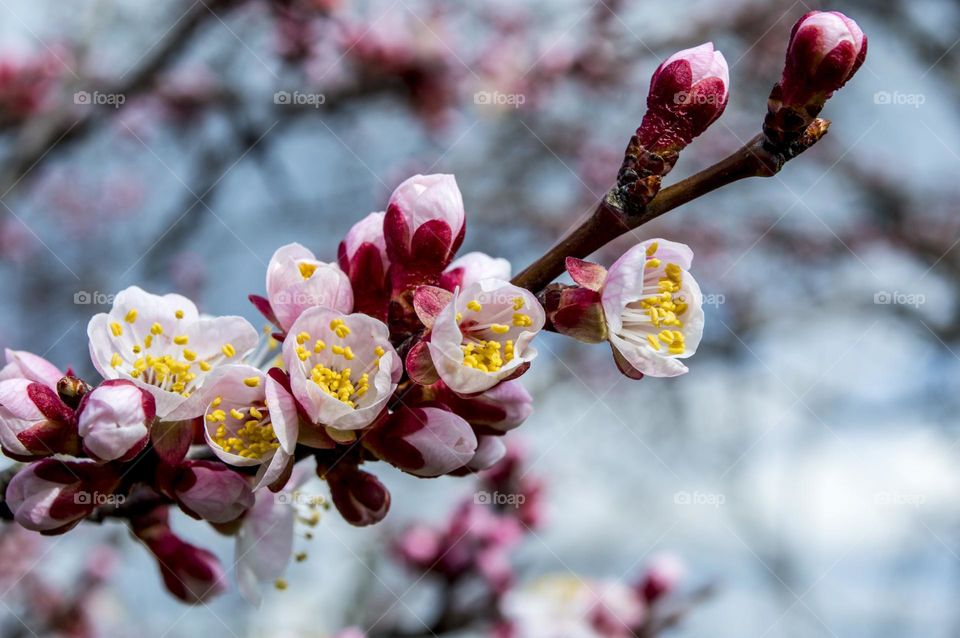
(251, 420)
(653, 307)
(163, 346)
(297, 281)
(483, 335)
(343, 369)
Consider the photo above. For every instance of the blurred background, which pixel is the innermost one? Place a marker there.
(807, 464)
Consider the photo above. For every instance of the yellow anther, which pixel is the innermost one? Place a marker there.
(518, 303)
(228, 350)
(178, 314)
(653, 263)
(115, 360)
(307, 269)
(251, 382)
(302, 353)
(216, 401)
(303, 337)
(136, 349)
(131, 315)
(666, 336)
(116, 329)
(652, 249)
(459, 317)
(379, 351)
(521, 320)
(189, 355)
(499, 328)
(181, 340)
(156, 329)
(237, 414)
(205, 366)
(340, 328)
(474, 305)
(653, 342)
(148, 341)
(319, 345)
(255, 413)
(280, 584)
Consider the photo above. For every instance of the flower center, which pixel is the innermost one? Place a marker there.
(244, 431)
(338, 382)
(172, 366)
(662, 306)
(482, 348)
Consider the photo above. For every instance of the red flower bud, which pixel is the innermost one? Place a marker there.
(359, 496)
(826, 48)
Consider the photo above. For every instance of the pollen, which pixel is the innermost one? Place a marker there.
(307, 269)
(339, 327)
(181, 340)
(228, 350)
(303, 337)
(115, 360)
(254, 439)
(521, 320)
(178, 314)
(156, 329)
(189, 355)
(251, 382)
(486, 356)
(205, 366)
(499, 328)
(131, 315)
(518, 303)
(474, 305)
(319, 346)
(652, 249)
(116, 329)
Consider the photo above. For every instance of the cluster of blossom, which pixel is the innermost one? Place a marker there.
(469, 558)
(398, 352)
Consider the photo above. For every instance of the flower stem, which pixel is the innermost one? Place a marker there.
(610, 220)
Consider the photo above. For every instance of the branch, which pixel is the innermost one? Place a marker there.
(611, 218)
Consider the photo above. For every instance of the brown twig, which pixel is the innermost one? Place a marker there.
(611, 218)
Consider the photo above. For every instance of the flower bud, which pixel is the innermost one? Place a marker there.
(114, 420)
(688, 92)
(425, 223)
(190, 573)
(490, 450)
(25, 365)
(473, 267)
(498, 410)
(297, 281)
(359, 496)
(212, 491)
(425, 442)
(34, 422)
(52, 496)
(826, 48)
(663, 574)
(363, 257)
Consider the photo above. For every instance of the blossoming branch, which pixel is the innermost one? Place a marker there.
(397, 351)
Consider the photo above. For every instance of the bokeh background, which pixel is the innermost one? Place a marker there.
(807, 464)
